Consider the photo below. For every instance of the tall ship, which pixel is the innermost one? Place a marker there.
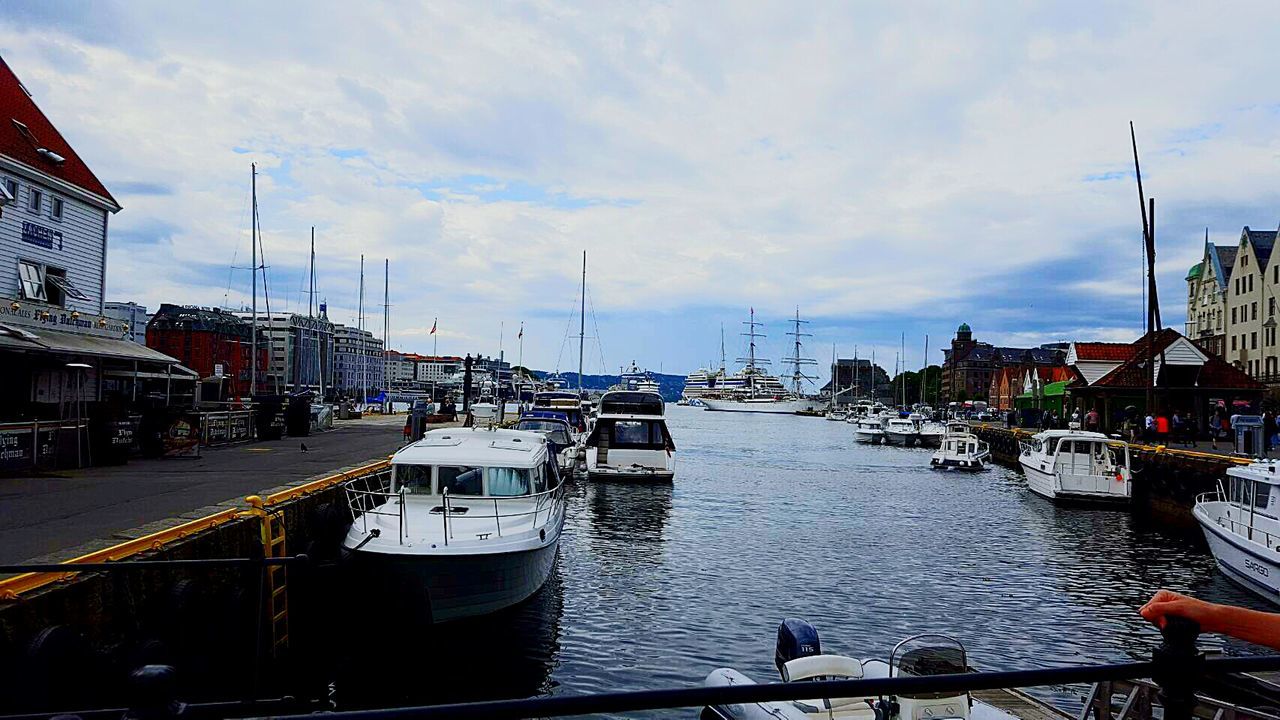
(753, 389)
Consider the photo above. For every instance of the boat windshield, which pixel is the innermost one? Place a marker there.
(1250, 493)
(460, 480)
(472, 481)
(506, 481)
(556, 432)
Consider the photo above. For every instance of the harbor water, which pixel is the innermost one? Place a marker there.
(782, 516)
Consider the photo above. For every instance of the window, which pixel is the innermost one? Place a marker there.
(31, 281)
(55, 208)
(1271, 305)
(1255, 311)
(59, 279)
(1233, 316)
(1253, 341)
(1244, 261)
(1250, 283)
(459, 480)
(1233, 342)
(413, 478)
(11, 186)
(638, 434)
(34, 199)
(509, 482)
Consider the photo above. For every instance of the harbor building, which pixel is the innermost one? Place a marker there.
(969, 367)
(358, 362)
(299, 352)
(215, 343)
(438, 369)
(401, 369)
(133, 315)
(1110, 377)
(1231, 304)
(57, 344)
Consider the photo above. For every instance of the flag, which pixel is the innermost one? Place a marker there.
(433, 327)
(521, 335)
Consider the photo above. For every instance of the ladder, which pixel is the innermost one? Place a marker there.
(277, 601)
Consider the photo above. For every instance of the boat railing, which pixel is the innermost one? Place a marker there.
(504, 507)
(370, 495)
(1238, 527)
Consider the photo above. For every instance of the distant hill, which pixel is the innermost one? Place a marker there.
(669, 385)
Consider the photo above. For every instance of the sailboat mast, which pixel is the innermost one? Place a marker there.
(902, 366)
(386, 330)
(582, 320)
(253, 264)
(834, 376)
(924, 370)
(857, 386)
(360, 326)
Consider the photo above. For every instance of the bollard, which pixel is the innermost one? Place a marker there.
(153, 694)
(1179, 667)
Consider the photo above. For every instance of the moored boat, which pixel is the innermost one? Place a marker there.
(960, 450)
(468, 525)
(799, 658)
(630, 440)
(1077, 465)
(1241, 523)
(869, 430)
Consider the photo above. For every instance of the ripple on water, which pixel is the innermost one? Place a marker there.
(775, 516)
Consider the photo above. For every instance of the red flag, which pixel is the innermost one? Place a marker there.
(433, 327)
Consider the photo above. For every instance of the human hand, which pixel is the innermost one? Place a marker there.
(1166, 603)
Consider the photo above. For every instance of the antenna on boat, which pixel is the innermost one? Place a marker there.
(253, 264)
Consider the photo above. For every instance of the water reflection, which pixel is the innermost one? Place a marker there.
(632, 513)
(510, 654)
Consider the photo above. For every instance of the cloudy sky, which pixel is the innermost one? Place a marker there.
(887, 168)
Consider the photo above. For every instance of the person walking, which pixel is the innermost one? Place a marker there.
(1179, 432)
(1091, 420)
(1149, 428)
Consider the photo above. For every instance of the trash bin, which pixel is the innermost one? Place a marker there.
(298, 415)
(269, 416)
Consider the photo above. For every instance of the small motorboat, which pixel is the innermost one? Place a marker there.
(799, 658)
(555, 427)
(1077, 465)
(961, 451)
(869, 430)
(1241, 522)
(629, 440)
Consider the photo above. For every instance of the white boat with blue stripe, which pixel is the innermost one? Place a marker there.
(1241, 522)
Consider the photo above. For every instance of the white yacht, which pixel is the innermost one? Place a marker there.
(1241, 522)
(798, 656)
(630, 440)
(634, 378)
(913, 430)
(869, 429)
(961, 450)
(1077, 465)
(469, 524)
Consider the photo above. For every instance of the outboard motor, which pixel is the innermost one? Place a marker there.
(796, 639)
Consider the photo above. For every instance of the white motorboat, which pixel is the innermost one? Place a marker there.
(469, 524)
(961, 450)
(869, 430)
(1242, 525)
(484, 413)
(630, 440)
(1077, 465)
(798, 656)
(557, 431)
(837, 414)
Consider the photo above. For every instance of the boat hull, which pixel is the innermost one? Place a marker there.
(454, 587)
(870, 438)
(1045, 484)
(781, 407)
(1250, 567)
(970, 465)
(631, 475)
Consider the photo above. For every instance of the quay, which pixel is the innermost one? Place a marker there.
(60, 515)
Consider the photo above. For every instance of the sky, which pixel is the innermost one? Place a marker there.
(887, 169)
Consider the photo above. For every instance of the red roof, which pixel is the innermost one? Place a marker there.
(16, 104)
(1103, 351)
(1216, 373)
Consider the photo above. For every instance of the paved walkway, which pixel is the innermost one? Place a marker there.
(56, 517)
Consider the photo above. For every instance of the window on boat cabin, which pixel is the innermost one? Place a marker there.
(540, 475)
(460, 480)
(413, 478)
(637, 434)
(509, 482)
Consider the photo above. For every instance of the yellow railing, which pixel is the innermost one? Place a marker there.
(11, 588)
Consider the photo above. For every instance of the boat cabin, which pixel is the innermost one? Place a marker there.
(631, 402)
(1254, 488)
(474, 463)
(563, 402)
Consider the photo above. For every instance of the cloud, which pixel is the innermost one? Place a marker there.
(888, 169)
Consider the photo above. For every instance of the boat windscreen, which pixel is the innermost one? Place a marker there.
(631, 403)
(933, 660)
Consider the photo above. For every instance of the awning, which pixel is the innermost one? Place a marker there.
(180, 372)
(58, 341)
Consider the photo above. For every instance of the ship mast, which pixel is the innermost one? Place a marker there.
(797, 374)
(582, 320)
(253, 264)
(749, 369)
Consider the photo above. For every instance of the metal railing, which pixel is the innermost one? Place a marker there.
(1177, 668)
(1272, 541)
(369, 500)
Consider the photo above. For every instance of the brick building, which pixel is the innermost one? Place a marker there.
(215, 343)
(970, 368)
